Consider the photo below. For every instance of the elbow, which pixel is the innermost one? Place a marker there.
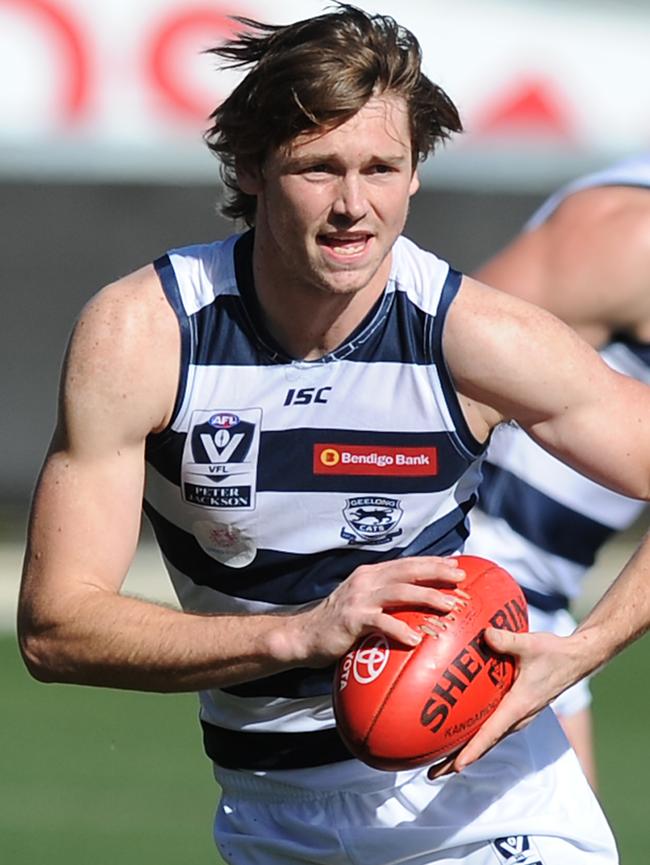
(40, 653)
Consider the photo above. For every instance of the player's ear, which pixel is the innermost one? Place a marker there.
(249, 177)
(415, 183)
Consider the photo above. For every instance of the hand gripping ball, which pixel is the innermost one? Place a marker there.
(398, 707)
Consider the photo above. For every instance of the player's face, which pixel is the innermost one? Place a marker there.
(331, 205)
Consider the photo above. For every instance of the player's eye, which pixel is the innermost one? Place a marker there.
(318, 168)
(382, 168)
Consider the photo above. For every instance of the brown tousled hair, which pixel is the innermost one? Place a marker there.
(316, 74)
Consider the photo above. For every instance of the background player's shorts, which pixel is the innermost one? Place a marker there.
(525, 803)
(562, 623)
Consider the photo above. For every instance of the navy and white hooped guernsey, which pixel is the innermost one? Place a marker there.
(539, 519)
(278, 477)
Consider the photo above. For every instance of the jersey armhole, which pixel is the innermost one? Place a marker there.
(466, 439)
(169, 282)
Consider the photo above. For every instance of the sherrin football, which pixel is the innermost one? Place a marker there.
(398, 707)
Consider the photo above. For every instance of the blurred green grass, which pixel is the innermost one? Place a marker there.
(104, 777)
(622, 729)
(100, 776)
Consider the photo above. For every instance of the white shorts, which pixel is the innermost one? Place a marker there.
(562, 623)
(525, 803)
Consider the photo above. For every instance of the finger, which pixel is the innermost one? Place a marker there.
(508, 716)
(420, 596)
(505, 642)
(397, 630)
(425, 569)
(442, 767)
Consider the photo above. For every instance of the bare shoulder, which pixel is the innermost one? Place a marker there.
(123, 356)
(588, 263)
(612, 223)
(506, 356)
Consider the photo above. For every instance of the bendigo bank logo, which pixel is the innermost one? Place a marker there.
(378, 460)
(220, 458)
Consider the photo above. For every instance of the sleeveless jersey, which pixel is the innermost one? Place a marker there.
(538, 518)
(277, 477)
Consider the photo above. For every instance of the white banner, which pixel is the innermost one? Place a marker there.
(123, 89)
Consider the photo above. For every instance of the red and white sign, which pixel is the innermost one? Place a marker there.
(135, 78)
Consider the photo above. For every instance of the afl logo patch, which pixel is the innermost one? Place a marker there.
(223, 420)
(219, 468)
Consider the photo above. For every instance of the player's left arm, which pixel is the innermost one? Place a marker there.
(526, 365)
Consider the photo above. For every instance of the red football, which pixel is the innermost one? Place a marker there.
(398, 707)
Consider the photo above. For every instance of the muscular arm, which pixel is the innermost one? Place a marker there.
(528, 366)
(589, 264)
(119, 384)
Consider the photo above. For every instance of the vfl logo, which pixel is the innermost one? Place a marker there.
(372, 519)
(370, 659)
(221, 446)
(517, 850)
(224, 438)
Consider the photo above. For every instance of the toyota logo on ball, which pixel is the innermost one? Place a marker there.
(370, 659)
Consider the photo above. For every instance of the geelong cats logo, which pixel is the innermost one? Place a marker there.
(373, 519)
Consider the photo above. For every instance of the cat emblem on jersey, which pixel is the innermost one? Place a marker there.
(219, 468)
(373, 519)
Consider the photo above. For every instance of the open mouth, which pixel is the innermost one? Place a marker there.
(345, 244)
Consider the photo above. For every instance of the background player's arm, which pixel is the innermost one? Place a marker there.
(119, 384)
(588, 264)
(526, 365)
(511, 360)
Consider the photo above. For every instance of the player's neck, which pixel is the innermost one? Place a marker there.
(310, 321)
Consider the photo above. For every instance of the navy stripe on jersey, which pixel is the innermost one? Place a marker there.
(549, 603)
(449, 292)
(286, 460)
(237, 344)
(167, 276)
(395, 336)
(548, 524)
(286, 578)
(297, 682)
(234, 749)
(640, 350)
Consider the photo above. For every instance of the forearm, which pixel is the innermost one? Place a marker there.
(117, 641)
(621, 616)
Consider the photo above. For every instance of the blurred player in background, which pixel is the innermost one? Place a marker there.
(240, 373)
(585, 256)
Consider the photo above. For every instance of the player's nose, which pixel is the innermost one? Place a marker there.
(350, 200)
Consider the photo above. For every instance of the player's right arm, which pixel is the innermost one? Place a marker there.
(119, 384)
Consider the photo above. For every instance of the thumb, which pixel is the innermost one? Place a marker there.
(504, 642)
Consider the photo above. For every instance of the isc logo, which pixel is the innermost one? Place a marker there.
(306, 395)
